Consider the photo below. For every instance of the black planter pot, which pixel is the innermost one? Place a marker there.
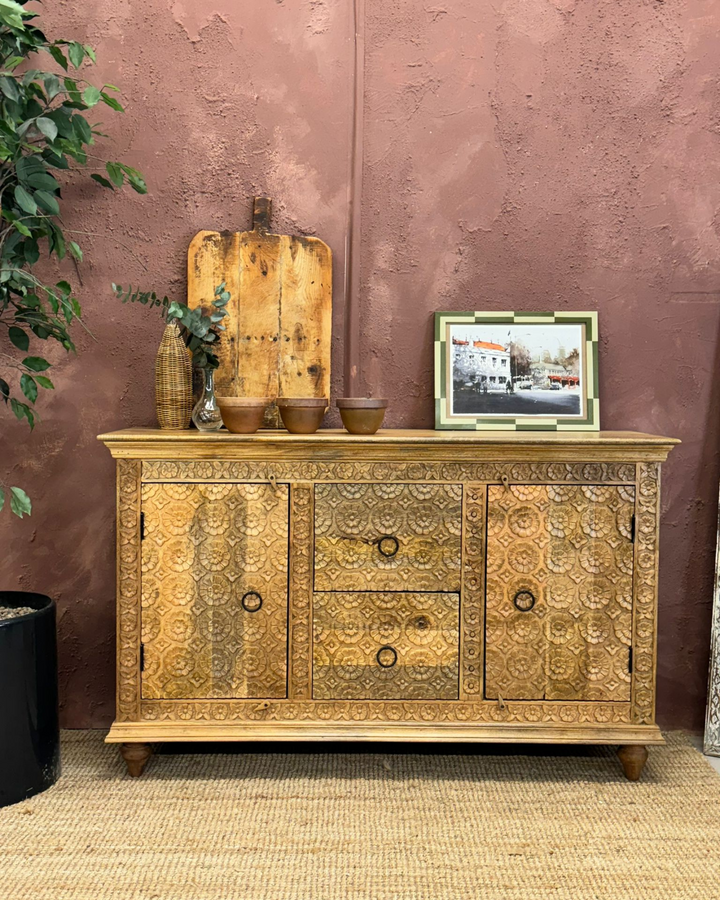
(29, 731)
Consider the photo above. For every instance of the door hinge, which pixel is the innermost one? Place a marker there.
(142, 657)
(142, 526)
(632, 529)
(630, 660)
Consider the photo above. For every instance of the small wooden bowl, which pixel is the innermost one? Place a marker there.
(243, 415)
(361, 415)
(302, 415)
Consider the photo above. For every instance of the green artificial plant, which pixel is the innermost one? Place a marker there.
(200, 330)
(45, 136)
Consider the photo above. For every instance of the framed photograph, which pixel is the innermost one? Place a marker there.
(518, 371)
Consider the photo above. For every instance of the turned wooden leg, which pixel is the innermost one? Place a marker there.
(633, 758)
(136, 757)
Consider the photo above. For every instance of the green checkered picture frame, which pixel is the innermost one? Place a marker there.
(516, 371)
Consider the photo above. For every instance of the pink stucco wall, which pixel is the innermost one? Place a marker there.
(525, 154)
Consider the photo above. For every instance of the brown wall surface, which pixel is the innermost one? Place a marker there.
(526, 154)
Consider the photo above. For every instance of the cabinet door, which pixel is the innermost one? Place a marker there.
(385, 646)
(559, 592)
(388, 537)
(214, 590)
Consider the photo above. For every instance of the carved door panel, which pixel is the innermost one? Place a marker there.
(559, 592)
(388, 537)
(385, 646)
(214, 590)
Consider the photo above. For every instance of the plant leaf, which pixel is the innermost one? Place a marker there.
(75, 250)
(36, 363)
(44, 381)
(28, 387)
(19, 338)
(58, 56)
(47, 202)
(76, 52)
(24, 200)
(91, 95)
(103, 181)
(47, 127)
(20, 503)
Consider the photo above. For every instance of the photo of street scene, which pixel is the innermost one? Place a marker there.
(517, 370)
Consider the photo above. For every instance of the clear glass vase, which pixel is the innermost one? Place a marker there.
(206, 414)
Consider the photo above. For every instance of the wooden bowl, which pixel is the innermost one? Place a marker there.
(243, 415)
(361, 415)
(302, 415)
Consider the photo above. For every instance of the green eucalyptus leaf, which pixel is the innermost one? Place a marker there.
(82, 129)
(89, 52)
(45, 382)
(20, 503)
(75, 250)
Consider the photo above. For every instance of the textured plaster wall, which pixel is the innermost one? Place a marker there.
(521, 154)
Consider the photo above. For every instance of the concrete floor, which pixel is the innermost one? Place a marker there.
(697, 742)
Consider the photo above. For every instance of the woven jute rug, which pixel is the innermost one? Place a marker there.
(482, 824)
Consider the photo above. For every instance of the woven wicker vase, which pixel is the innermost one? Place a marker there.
(173, 381)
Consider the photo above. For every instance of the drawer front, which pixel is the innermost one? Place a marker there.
(214, 591)
(385, 646)
(388, 537)
(559, 592)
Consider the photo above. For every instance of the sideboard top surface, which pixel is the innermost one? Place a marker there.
(154, 443)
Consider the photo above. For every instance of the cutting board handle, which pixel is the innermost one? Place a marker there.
(262, 213)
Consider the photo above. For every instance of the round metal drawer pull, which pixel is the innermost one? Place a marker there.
(524, 601)
(388, 545)
(252, 601)
(386, 657)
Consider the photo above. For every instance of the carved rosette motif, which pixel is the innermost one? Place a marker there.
(388, 537)
(473, 592)
(646, 551)
(356, 471)
(128, 589)
(384, 646)
(559, 592)
(444, 711)
(214, 590)
(301, 518)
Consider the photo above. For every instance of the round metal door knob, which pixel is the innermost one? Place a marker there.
(251, 601)
(388, 545)
(386, 657)
(524, 601)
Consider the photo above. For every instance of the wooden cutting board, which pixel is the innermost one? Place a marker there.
(278, 329)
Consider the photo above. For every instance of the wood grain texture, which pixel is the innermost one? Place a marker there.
(214, 591)
(278, 330)
(563, 555)
(388, 537)
(385, 646)
(599, 478)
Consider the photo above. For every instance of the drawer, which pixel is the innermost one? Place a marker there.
(385, 646)
(388, 537)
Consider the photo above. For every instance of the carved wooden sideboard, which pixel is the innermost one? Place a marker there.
(408, 586)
